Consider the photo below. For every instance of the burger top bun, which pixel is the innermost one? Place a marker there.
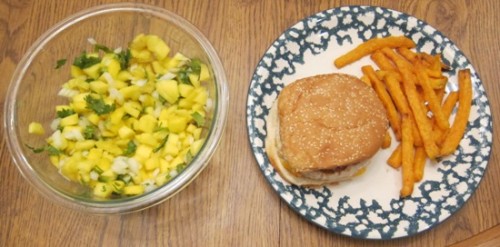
(323, 124)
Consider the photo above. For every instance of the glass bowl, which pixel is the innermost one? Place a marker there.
(32, 96)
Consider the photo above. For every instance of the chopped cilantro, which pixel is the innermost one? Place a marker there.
(199, 119)
(159, 127)
(98, 105)
(131, 147)
(124, 177)
(64, 113)
(180, 167)
(52, 150)
(124, 57)
(195, 65)
(89, 132)
(35, 150)
(161, 145)
(99, 47)
(60, 63)
(182, 76)
(83, 61)
(97, 169)
(49, 148)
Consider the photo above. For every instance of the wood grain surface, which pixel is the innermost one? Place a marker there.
(230, 203)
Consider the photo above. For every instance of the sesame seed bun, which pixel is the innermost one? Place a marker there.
(324, 129)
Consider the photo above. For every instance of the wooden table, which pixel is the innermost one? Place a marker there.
(230, 203)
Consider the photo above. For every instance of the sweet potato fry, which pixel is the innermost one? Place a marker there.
(393, 115)
(438, 83)
(407, 53)
(370, 46)
(447, 108)
(396, 58)
(395, 158)
(366, 80)
(407, 156)
(387, 140)
(394, 88)
(459, 125)
(382, 61)
(419, 111)
(430, 95)
(420, 159)
(449, 103)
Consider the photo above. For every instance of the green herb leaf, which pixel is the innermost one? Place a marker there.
(60, 63)
(124, 177)
(131, 147)
(97, 169)
(64, 113)
(124, 58)
(159, 128)
(195, 65)
(49, 148)
(199, 119)
(180, 167)
(98, 105)
(89, 132)
(52, 150)
(83, 61)
(99, 47)
(35, 150)
(183, 77)
(161, 145)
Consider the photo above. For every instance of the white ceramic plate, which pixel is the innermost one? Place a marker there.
(369, 206)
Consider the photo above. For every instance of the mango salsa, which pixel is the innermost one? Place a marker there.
(133, 118)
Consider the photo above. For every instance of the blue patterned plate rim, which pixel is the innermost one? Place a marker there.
(451, 182)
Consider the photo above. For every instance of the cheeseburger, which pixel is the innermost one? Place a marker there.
(324, 129)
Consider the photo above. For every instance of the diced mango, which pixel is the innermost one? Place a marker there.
(36, 128)
(168, 89)
(94, 154)
(125, 132)
(172, 145)
(93, 71)
(113, 67)
(152, 163)
(157, 46)
(196, 146)
(194, 79)
(117, 115)
(143, 151)
(124, 75)
(85, 145)
(102, 190)
(147, 123)
(133, 190)
(69, 120)
(177, 124)
(147, 139)
(131, 92)
(132, 108)
(139, 42)
(93, 118)
(99, 86)
(185, 89)
(204, 72)
(76, 71)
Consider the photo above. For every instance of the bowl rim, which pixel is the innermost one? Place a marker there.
(146, 200)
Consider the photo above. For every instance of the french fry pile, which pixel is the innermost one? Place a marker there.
(411, 87)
